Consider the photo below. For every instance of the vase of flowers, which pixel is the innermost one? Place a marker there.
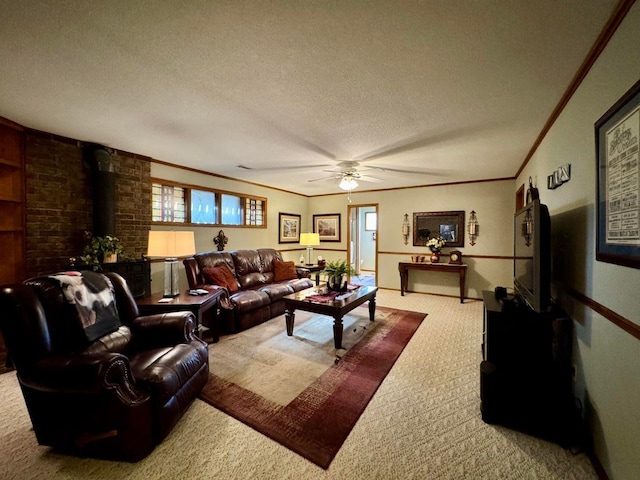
(336, 273)
(435, 244)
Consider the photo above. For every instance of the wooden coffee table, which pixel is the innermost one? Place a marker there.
(335, 308)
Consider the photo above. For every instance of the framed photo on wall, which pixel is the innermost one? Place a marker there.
(618, 187)
(327, 226)
(288, 228)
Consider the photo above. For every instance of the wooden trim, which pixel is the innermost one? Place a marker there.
(203, 172)
(618, 15)
(8, 123)
(430, 185)
(615, 318)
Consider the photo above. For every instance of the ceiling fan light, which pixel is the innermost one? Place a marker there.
(348, 183)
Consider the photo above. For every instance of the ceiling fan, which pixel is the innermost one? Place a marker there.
(348, 173)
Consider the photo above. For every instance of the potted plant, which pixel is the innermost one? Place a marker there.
(335, 272)
(435, 244)
(103, 249)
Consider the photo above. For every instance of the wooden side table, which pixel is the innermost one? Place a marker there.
(314, 269)
(198, 304)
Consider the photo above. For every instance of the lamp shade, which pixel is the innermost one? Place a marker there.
(310, 239)
(170, 243)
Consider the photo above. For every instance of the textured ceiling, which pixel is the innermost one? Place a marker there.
(457, 89)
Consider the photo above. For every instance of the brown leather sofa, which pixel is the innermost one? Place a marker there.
(259, 296)
(115, 397)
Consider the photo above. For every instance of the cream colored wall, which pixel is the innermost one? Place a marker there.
(239, 238)
(608, 359)
(494, 203)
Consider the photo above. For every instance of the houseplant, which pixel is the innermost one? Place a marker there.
(335, 272)
(101, 249)
(435, 244)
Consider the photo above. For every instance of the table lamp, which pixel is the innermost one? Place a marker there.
(309, 240)
(170, 244)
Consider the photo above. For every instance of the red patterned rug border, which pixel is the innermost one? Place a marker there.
(340, 395)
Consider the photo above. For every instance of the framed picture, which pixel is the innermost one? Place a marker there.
(448, 225)
(618, 173)
(288, 228)
(328, 226)
(370, 221)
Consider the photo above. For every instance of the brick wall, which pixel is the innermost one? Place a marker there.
(60, 206)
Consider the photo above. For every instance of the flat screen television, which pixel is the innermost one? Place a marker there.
(532, 255)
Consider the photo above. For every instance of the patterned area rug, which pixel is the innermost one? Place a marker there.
(324, 391)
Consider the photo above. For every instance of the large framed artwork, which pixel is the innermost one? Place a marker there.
(618, 186)
(288, 228)
(448, 225)
(327, 226)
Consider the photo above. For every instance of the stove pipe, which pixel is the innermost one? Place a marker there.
(104, 190)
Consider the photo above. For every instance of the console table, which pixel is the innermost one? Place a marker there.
(404, 267)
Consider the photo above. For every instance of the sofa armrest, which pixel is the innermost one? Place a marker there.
(85, 374)
(303, 272)
(163, 329)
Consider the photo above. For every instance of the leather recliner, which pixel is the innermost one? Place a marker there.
(115, 397)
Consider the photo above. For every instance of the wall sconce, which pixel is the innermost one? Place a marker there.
(405, 228)
(560, 176)
(473, 229)
(527, 228)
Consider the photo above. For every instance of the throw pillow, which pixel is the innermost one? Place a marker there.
(284, 270)
(221, 275)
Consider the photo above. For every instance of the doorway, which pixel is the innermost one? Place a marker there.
(362, 241)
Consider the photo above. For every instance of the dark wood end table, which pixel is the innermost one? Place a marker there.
(336, 308)
(198, 304)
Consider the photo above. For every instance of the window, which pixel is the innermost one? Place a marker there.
(185, 204)
(253, 212)
(203, 207)
(168, 203)
(231, 211)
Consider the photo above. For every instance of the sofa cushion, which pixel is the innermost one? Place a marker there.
(300, 284)
(283, 270)
(277, 290)
(220, 275)
(246, 300)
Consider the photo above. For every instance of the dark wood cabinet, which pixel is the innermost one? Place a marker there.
(525, 375)
(137, 274)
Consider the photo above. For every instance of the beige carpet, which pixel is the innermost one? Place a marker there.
(277, 367)
(423, 423)
(331, 391)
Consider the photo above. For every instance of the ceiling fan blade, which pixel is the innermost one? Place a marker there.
(332, 177)
(401, 170)
(288, 167)
(369, 178)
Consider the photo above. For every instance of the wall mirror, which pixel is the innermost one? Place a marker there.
(449, 225)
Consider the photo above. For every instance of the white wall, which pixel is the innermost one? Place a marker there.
(608, 358)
